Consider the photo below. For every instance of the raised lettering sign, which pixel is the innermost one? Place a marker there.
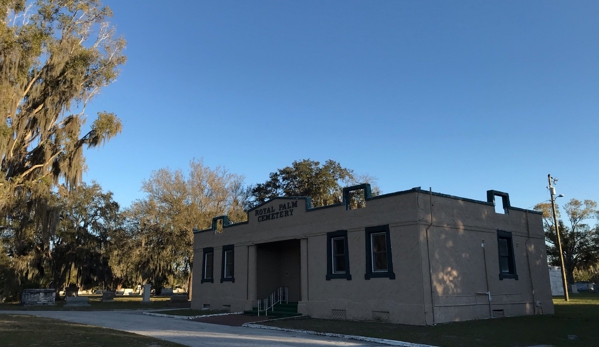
(269, 213)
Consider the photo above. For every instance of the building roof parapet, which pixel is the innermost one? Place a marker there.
(368, 196)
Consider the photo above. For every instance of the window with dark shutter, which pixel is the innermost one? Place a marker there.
(379, 262)
(338, 255)
(507, 263)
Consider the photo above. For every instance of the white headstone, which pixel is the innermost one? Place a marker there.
(555, 276)
(147, 289)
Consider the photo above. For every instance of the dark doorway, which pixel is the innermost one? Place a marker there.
(279, 266)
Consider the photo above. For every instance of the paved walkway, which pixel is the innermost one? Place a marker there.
(235, 320)
(191, 333)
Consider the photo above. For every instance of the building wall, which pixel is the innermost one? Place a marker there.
(462, 270)
(219, 295)
(397, 300)
(442, 273)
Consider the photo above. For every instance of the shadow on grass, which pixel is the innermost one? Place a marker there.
(21, 330)
(579, 317)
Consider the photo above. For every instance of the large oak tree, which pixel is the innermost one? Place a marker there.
(84, 238)
(55, 56)
(177, 202)
(323, 183)
(580, 241)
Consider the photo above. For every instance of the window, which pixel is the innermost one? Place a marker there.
(337, 255)
(507, 264)
(228, 263)
(378, 253)
(208, 265)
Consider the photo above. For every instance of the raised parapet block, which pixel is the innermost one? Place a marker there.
(218, 223)
(38, 297)
(365, 187)
(492, 196)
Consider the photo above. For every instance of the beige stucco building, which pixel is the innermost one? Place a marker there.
(411, 257)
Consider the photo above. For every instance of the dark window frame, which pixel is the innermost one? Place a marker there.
(347, 192)
(227, 248)
(378, 274)
(505, 200)
(330, 273)
(206, 251)
(506, 235)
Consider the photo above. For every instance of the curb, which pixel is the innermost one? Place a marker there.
(342, 336)
(189, 317)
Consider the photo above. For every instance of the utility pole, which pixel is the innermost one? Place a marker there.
(559, 240)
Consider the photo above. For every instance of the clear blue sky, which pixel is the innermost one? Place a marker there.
(460, 96)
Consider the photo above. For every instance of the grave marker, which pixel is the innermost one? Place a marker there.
(108, 296)
(77, 301)
(147, 289)
(38, 297)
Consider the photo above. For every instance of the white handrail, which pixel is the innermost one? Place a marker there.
(279, 295)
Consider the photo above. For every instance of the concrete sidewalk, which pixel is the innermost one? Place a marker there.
(191, 333)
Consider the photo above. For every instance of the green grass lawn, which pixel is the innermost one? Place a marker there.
(24, 331)
(120, 303)
(578, 317)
